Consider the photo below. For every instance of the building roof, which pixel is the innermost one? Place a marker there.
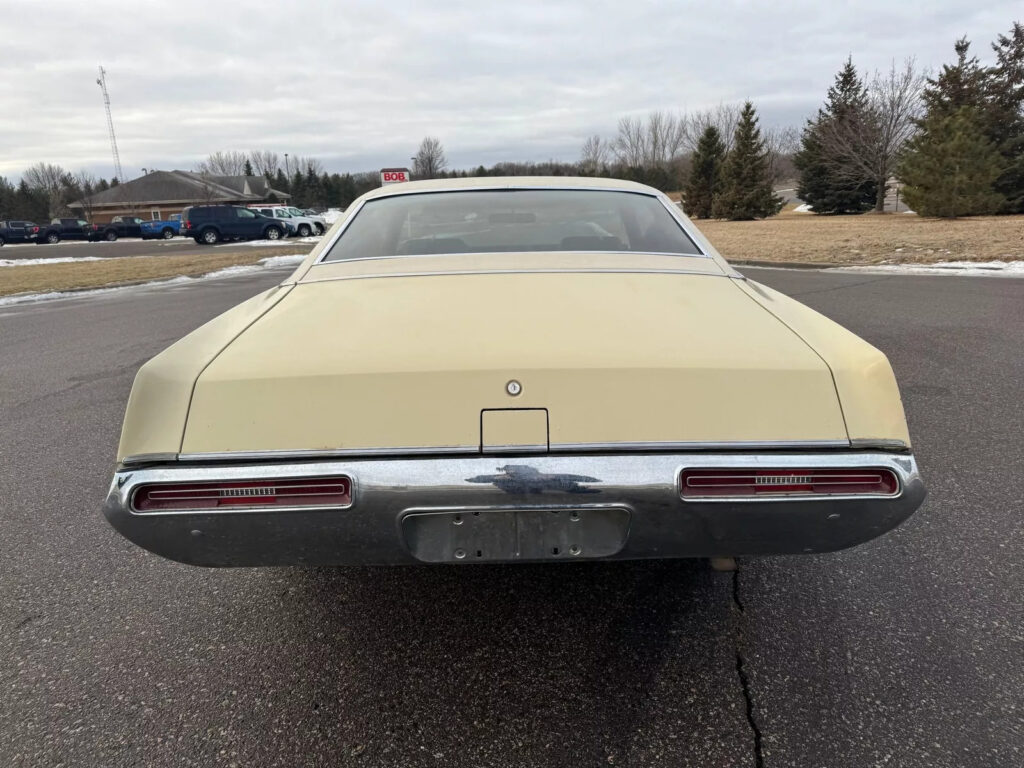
(163, 187)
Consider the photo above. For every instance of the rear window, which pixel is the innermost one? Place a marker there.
(509, 221)
(203, 213)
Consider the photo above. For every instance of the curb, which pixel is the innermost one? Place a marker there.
(788, 264)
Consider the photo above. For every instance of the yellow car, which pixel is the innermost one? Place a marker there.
(512, 369)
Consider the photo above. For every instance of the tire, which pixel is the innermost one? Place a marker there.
(110, 236)
(167, 234)
(208, 236)
(2, 241)
(272, 233)
(53, 238)
(320, 228)
(304, 230)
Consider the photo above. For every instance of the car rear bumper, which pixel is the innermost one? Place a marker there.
(512, 509)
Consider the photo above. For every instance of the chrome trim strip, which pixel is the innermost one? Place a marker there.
(351, 213)
(149, 458)
(537, 449)
(519, 253)
(322, 453)
(741, 445)
(868, 443)
(485, 271)
(474, 450)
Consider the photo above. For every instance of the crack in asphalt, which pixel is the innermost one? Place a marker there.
(741, 671)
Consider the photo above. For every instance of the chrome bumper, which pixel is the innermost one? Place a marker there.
(627, 506)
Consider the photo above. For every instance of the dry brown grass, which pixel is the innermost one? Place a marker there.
(77, 275)
(868, 239)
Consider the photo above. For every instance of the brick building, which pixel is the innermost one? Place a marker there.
(159, 194)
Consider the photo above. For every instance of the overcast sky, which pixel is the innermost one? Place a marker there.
(358, 84)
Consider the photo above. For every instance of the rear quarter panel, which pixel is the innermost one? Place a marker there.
(864, 379)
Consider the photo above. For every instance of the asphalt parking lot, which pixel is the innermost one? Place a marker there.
(906, 651)
(132, 247)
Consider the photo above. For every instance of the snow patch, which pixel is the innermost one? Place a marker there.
(331, 215)
(53, 260)
(974, 268)
(272, 262)
(276, 243)
(803, 208)
(283, 261)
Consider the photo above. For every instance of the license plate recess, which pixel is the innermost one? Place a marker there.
(481, 535)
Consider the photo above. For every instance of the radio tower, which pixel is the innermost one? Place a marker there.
(101, 81)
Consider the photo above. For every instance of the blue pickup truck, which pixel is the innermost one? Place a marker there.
(160, 229)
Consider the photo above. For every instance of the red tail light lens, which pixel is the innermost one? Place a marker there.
(245, 494)
(724, 483)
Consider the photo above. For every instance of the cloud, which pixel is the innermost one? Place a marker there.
(359, 84)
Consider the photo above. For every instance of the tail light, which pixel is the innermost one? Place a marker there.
(244, 494)
(726, 483)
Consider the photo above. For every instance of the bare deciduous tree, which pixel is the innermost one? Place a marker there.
(265, 162)
(629, 143)
(302, 164)
(51, 180)
(870, 148)
(665, 134)
(85, 185)
(594, 155)
(430, 159)
(724, 118)
(656, 141)
(229, 163)
(781, 143)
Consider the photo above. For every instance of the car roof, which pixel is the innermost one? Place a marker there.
(508, 182)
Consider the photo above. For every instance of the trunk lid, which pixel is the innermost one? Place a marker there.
(412, 362)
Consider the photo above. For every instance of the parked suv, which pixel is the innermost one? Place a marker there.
(304, 225)
(210, 224)
(17, 232)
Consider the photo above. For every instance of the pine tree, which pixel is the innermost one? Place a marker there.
(1006, 101)
(347, 191)
(705, 174)
(958, 86)
(746, 176)
(298, 189)
(6, 197)
(314, 191)
(281, 183)
(950, 167)
(248, 168)
(828, 182)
